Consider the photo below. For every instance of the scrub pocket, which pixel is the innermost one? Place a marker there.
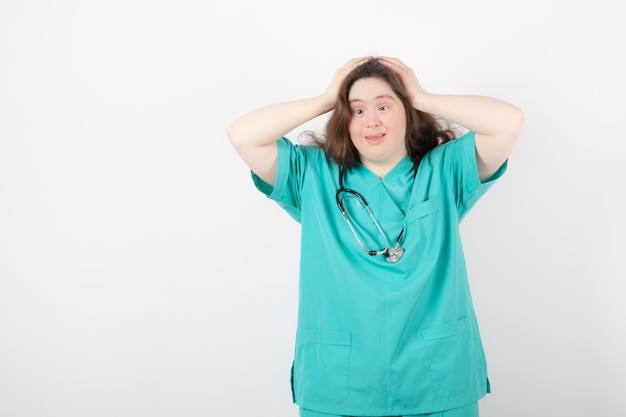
(425, 224)
(322, 366)
(456, 359)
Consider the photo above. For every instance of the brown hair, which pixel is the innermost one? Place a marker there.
(423, 131)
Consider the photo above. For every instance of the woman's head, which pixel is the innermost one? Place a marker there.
(374, 120)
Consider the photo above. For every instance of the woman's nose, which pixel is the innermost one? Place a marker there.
(373, 120)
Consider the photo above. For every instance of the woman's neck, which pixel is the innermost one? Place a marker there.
(381, 168)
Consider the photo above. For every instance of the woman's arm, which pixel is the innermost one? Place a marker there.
(497, 124)
(255, 134)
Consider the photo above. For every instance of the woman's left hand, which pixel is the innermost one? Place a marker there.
(408, 78)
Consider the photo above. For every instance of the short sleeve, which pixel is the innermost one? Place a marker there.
(459, 162)
(289, 178)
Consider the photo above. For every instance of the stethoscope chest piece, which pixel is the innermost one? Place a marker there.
(394, 254)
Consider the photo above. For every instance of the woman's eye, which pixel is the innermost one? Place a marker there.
(357, 111)
(383, 108)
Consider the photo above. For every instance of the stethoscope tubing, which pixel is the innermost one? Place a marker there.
(392, 255)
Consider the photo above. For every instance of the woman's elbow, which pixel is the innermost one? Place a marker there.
(234, 134)
(516, 122)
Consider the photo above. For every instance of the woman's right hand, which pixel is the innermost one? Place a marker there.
(330, 95)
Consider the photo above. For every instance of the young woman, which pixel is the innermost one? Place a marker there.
(386, 325)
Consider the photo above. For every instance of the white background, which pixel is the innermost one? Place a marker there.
(141, 274)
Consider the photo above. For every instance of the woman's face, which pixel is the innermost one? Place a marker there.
(378, 124)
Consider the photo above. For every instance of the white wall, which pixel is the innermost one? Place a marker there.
(141, 274)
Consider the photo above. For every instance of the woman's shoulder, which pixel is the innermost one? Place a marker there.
(304, 154)
(453, 146)
(308, 149)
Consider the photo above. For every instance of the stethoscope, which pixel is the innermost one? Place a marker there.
(391, 254)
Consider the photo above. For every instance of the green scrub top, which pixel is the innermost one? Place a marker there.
(376, 338)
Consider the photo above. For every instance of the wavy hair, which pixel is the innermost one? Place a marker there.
(423, 130)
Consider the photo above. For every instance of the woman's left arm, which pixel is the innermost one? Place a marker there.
(496, 123)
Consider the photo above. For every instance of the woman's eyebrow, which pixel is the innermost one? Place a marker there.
(375, 98)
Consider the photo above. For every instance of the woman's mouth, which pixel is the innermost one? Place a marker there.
(375, 139)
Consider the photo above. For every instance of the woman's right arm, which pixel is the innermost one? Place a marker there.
(255, 134)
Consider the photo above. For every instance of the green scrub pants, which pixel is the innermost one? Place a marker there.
(470, 410)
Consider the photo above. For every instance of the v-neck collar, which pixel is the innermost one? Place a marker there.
(396, 187)
(369, 178)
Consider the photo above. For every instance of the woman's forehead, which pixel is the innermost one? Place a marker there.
(370, 88)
